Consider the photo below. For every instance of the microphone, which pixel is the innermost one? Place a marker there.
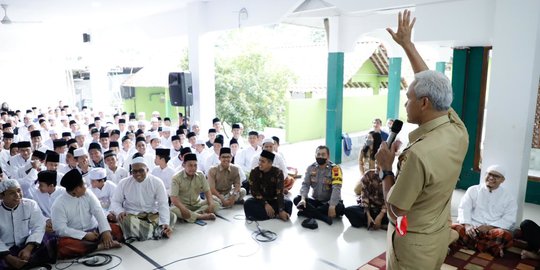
(394, 130)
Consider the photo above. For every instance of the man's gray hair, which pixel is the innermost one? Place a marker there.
(7, 184)
(435, 86)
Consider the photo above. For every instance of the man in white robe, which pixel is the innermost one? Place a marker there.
(141, 205)
(78, 219)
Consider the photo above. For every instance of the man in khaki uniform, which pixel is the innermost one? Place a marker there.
(428, 168)
(223, 178)
(185, 189)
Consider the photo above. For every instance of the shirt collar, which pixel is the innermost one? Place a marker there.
(431, 125)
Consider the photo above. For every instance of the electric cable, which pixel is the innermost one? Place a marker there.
(92, 260)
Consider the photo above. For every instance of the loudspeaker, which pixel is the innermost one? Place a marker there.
(86, 37)
(180, 89)
(127, 92)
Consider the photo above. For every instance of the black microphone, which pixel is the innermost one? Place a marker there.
(394, 130)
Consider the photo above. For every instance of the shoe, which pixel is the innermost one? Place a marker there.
(310, 223)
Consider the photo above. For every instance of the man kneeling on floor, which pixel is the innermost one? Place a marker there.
(77, 217)
(485, 215)
(325, 178)
(185, 189)
(224, 180)
(22, 245)
(266, 184)
(141, 205)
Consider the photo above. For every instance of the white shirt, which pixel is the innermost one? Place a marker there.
(211, 161)
(148, 196)
(175, 163)
(201, 159)
(164, 175)
(4, 158)
(117, 175)
(72, 216)
(46, 200)
(104, 195)
(245, 156)
(21, 225)
(278, 163)
(481, 207)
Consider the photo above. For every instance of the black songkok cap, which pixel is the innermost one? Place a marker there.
(38, 154)
(215, 120)
(180, 131)
(175, 137)
(8, 135)
(114, 144)
(94, 146)
(115, 131)
(103, 135)
(35, 133)
(236, 125)
(219, 140)
(48, 177)
(66, 134)
(253, 133)
(24, 144)
(72, 180)
(212, 130)
(163, 152)
(71, 141)
(125, 138)
(72, 122)
(185, 150)
(121, 121)
(6, 125)
(52, 156)
(267, 154)
(191, 134)
(140, 139)
(59, 143)
(233, 141)
(276, 139)
(109, 153)
(224, 150)
(190, 156)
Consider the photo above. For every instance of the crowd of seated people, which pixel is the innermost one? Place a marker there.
(100, 184)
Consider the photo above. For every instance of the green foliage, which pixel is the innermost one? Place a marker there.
(250, 88)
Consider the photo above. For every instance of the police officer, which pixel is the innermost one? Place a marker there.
(326, 179)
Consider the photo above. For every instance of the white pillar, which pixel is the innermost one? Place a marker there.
(99, 81)
(201, 65)
(511, 103)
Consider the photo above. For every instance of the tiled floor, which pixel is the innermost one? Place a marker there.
(339, 246)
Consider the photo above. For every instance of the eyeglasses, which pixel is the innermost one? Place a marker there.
(495, 176)
(138, 171)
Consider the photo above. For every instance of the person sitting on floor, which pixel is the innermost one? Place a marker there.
(185, 189)
(326, 179)
(485, 215)
(141, 205)
(531, 234)
(103, 189)
(366, 158)
(79, 221)
(22, 245)
(223, 177)
(371, 209)
(266, 184)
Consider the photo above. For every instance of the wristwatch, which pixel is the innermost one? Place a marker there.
(384, 174)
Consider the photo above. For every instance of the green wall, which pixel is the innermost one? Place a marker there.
(369, 74)
(305, 118)
(149, 99)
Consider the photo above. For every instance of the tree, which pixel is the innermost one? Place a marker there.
(250, 89)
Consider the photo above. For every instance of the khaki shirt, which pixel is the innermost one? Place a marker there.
(428, 170)
(188, 189)
(223, 179)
